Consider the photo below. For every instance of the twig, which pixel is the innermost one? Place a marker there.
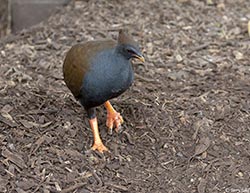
(70, 189)
(198, 48)
(128, 137)
(98, 179)
(118, 187)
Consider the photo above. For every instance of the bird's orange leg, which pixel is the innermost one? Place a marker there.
(98, 145)
(113, 117)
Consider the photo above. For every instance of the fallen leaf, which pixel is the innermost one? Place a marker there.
(202, 126)
(202, 146)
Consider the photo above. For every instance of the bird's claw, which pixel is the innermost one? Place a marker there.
(99, 147)
(118, 130)
(110, 131)
(114, 119)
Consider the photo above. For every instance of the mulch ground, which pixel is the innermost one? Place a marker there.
(187, 115)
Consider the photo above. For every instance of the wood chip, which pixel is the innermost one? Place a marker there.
(72, 188)
(25, 184)
(30, 124)
(7, 121)
(13, 157)
(27, 124)
(3, 184)
(202, 186)
(20, 190)
(58, 188)
(117, 187)
(6, 109)
(248, 28)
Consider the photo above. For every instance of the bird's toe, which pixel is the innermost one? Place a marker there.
(114, 119)
(99, 147)
(118, 128)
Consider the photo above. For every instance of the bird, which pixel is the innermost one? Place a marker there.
(97, 71)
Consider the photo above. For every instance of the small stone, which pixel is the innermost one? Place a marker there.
(150, 48)
(3, 53)
(178, 58)
(210, 2)
(238, 55)
(240, 174)
(221, 6)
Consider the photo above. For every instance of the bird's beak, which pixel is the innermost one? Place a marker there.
(139, 57)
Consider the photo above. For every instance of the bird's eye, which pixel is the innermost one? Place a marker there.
(130, 51)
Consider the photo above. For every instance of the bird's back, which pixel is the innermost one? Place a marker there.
(109, 76)
(78, 61)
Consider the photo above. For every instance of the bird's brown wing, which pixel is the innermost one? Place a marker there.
(77, 62)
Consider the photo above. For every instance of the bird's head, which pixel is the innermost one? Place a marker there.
(128, 47)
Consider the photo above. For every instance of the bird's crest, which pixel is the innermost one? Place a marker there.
(125, 38)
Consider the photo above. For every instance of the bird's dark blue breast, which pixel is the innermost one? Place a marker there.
(110, 74)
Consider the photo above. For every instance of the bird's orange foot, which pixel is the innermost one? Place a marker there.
(99, 147)
(114, 118)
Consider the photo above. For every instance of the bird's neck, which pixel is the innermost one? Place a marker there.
(119, 50)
